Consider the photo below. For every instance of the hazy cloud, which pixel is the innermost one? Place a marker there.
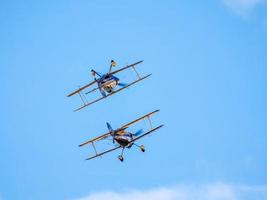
(242, 7)
(216, 191)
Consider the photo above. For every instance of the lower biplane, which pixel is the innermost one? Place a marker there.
(106, 84)
(121, 138)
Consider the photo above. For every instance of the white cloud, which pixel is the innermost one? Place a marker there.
(216, 191)
(243, 7)
(157, 194)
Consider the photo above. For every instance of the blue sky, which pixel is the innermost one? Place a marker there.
(208, 61)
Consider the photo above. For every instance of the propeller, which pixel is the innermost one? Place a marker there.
(140, 131)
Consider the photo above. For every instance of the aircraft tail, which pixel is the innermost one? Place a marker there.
(109, 127)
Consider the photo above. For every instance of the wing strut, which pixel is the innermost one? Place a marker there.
(136, 72)
(94, 148)
(150, 122)
(82, 98)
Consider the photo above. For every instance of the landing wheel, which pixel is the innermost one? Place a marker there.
(120, 157)
(142, 147)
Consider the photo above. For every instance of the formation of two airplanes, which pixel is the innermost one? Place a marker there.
(108, 84)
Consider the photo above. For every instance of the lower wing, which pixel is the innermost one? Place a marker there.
(100, 154)
(92, 102)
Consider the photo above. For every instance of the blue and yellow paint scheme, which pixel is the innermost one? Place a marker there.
(122, 138)
(106, 84)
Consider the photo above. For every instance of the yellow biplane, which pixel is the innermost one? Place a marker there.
(121, 138)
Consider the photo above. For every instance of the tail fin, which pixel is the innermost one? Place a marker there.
(109, 127)
(111, 132)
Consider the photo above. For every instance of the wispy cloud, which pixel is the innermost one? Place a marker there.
(242, 7)
(218, 191)
(157, 194)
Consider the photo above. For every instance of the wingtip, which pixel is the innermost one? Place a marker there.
(69, 95)
(157, 110)
(77, 109)
(146, 76)
(138, 62)
(89, 158)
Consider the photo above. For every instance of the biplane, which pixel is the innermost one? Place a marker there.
(106, 84)
(121, 138)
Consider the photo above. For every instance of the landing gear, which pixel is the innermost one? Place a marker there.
(120, 157)
(142, 147)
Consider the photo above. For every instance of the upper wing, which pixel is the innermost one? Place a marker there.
(128, 66)
(137, 120)
(103, 136)
(114, 72)
(100, 154)
(95, 139)
(82, 88)
(152, 130)
(113, 149)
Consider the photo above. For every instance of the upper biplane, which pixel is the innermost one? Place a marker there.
(121, 138)
(106, 84)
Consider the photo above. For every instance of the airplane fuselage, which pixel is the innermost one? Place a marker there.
(108, 83)
(123, 138)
